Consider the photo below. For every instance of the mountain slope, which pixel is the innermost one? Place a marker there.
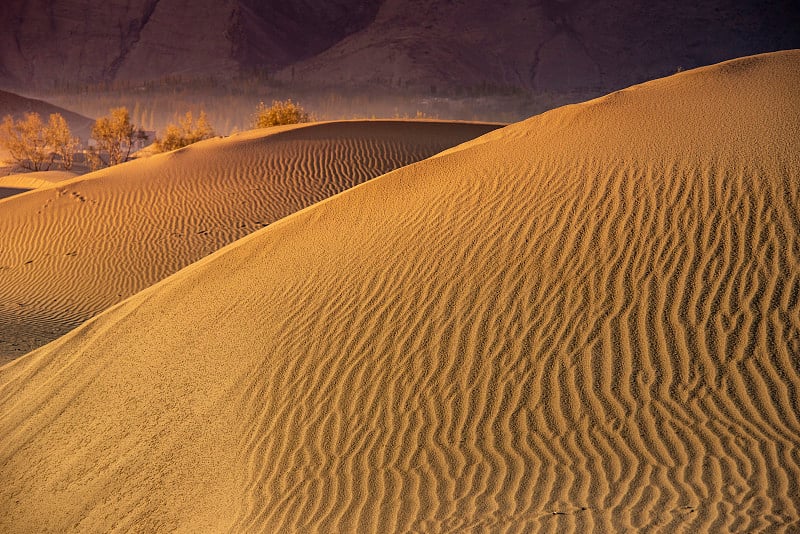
(547, 46)
(587, 321)
(78, 41)
(550, 45)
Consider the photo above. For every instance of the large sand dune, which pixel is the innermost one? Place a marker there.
(588, 321)
(69, 252)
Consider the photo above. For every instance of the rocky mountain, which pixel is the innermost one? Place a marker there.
(47, 41)
(542, 45)
(549, 44)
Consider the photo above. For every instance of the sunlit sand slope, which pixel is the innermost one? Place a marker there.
(68, 253)
(589, 321)
(35, 180)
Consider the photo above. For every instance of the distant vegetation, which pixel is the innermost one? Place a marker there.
(230, 103)
(186, 132)
(279, 113)
(34, 145)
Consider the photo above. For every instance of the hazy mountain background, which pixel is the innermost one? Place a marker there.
(468, 59)
(547, 45)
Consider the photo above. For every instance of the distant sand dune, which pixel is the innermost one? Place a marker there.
(585, 322)
(68, 253)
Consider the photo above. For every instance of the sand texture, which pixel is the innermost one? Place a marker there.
(35, 180)
(70, 252)
(585, 322)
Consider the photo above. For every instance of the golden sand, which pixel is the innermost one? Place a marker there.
(587, 321)
(70, 252)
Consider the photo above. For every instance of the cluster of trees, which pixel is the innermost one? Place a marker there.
(186, 132)
(115, 136)
(36, 146)
(190, 130)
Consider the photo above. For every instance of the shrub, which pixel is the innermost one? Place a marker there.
(279, 113)
(189, 131)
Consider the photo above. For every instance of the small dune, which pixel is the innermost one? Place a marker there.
(585, 322)
(84, 245)
(34, 180)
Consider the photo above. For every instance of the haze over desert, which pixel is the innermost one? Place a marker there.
(584, 321)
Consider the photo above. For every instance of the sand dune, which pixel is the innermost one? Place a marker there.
(35, 180)
(588, 321)
(89, 243)
(15, 184)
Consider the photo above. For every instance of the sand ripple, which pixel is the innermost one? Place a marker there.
(72, 251)
(586, 322)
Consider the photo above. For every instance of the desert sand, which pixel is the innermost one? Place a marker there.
(35, 180)
(587, 321)
(15, 184)
(88, 243)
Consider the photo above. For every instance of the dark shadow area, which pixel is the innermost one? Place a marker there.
(6, 192)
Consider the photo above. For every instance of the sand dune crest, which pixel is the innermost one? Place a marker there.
(70, 252)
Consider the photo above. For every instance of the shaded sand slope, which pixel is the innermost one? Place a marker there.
(69, 252)
(588, 321)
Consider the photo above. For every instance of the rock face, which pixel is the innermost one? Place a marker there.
(551, 44)
(47, 41)
(545, 45)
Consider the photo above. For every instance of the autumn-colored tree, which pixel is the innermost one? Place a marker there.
(34, 145)
(187, 132)
(25, 140)
(279, 113)
(114, 134)
(93, 160)
(59, 140)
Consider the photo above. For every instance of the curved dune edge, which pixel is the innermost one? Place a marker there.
(89, 242)
(588, 323)
(36, 180)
